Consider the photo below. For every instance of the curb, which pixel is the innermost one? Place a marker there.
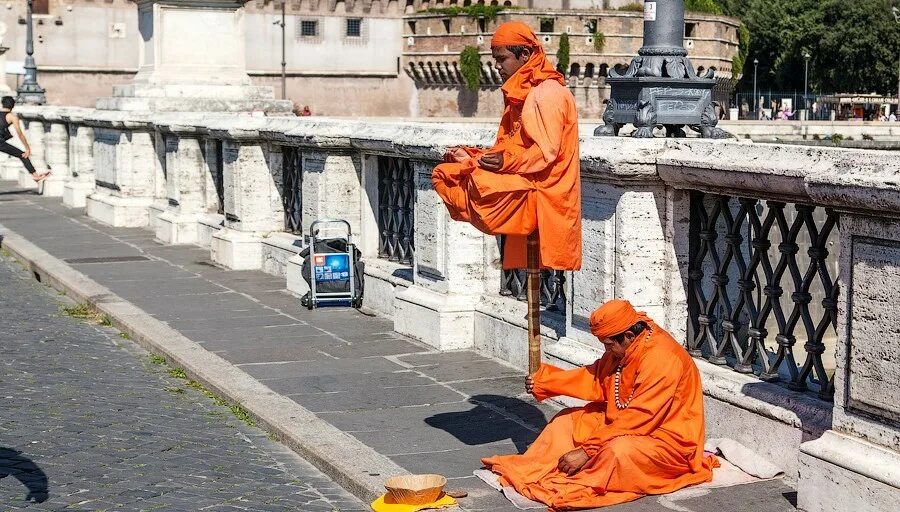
(353, 465)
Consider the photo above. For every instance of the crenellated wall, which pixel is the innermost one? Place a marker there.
(776, 266)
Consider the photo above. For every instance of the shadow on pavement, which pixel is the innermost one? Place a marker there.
(484, 425)
(23, 469)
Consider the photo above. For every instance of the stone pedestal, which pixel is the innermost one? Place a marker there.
(331, 187)
(81, 161)
(252, 204)
(175, 77)
(448, 274)
(856, 465)
(128, 175)
(185, 190)
(56, 154)
(34, 131)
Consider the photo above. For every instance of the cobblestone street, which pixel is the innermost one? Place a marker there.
(89, 422)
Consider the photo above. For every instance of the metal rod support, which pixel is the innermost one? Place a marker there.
(534, 303)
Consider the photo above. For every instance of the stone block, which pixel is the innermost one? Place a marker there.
(130, 212)
(236, 250)
(176, 228)
(76, 192)
(840, 473)
(25, 180)
(293, 274)
(445, 322)
(207, 225)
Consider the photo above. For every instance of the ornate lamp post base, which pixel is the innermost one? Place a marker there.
(31, 94)
(660, 88)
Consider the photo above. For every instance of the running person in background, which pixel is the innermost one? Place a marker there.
(8, 119)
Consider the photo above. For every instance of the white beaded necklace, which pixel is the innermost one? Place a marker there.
(619, 404)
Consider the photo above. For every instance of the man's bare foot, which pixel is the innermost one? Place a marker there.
(39, 177)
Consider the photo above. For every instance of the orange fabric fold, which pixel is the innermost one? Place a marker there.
(538, 187)
(653, 446)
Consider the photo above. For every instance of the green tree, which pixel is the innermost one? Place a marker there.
(562, 54)
(704, 6)
(470, 67)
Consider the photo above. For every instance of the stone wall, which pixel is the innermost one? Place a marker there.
(833, 430)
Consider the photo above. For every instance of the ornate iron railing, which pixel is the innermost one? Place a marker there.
(752, 295)
(292, 189)
(514, 283)
(219, 176)
(396, 203)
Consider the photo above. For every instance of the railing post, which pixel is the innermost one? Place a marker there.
(81, 160)
(252, 205)
(56, 153)
(448, 273)
(127, 170)
(33, 126)
(185, 180)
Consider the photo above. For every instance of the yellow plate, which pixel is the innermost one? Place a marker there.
(380, 505)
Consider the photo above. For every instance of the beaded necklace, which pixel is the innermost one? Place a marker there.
(619, 404)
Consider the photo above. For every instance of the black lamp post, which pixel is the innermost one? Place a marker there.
(806, 57)
(661, 87)
(29, 91)
(755, 99)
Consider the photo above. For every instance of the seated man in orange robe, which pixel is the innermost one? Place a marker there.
(529, 180)
(642, 432)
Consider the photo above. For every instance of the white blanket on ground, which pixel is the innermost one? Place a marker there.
(740, 465)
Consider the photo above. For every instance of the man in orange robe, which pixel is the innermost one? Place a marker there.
(642, 432)
(530, 179)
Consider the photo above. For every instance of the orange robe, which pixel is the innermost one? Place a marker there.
(654, 446)
(538, 186)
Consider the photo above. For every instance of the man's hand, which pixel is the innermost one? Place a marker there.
(491, 162)
(529, 384)
(572, 462)
(26, 153)
(455, 154)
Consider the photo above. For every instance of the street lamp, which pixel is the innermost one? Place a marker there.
(896, 13)
(755, 99)
(30, 92)
(283, 61)
(806, 57)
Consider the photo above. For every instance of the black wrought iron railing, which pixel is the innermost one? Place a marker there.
(514, 283)
(292, 189)
(762, 289)
(219, 176)
(396, 204)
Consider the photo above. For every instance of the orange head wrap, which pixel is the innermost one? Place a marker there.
(615, 317)
(533, 72)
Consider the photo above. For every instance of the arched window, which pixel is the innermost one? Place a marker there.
(603, 71)
(589, 70)
(575, 69)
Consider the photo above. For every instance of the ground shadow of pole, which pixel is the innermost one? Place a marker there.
(23, 469)
(490, 422)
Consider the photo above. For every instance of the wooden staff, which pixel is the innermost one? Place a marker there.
(534, 303)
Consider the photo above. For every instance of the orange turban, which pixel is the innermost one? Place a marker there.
(514, 33)
(615, 317)
(533, 72)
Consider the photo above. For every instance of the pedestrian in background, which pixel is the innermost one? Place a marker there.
(8, 119)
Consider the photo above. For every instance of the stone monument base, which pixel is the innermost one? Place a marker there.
(442, 321)
(176, 228)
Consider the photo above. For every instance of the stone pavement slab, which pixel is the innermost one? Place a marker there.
(89, 423)
(403, 399)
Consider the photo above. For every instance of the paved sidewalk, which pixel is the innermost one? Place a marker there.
(426, 411)
(89, 423)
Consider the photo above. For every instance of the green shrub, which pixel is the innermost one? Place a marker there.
(704, 6)
(470, 67)
(632, 7)
(562, 54)
(599, 41)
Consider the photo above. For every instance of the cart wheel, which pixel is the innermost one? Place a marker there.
(357, 303)
(310, 305)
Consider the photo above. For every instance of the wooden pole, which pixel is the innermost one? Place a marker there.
(534, 303)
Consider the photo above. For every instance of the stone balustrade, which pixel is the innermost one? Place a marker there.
(777, 266)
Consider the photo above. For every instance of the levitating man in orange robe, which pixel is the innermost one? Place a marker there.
(529, 180)
(642, 432)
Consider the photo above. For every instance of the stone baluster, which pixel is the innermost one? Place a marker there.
(56, 154)
(127, 171)
(81, 161)
(33, 126)
(252, 205)
(185, 185)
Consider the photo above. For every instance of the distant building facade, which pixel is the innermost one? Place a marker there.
(357, 57)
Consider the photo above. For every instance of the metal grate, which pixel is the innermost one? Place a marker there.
(354, 27)
(106, 259)
(514, 283)
(752, 293)
(219, 177)
(396, 204)
(292, 193)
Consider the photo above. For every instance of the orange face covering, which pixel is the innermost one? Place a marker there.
(615, 317)
(533, 72)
